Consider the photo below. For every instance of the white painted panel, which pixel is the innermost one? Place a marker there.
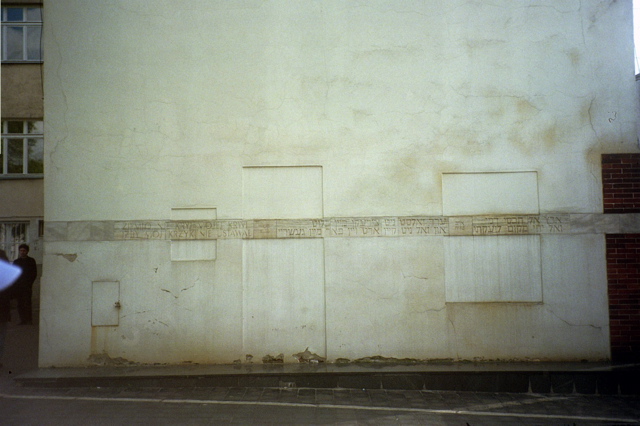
(105, 303)
(493, 269)
(193, 250)
(575, 275)
(385, 296)
(283, 283)
(282, 192)
(490, 193)
(194, 213)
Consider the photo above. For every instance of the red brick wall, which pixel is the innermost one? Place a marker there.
(621, 183)
(623, 273)
(621, 192)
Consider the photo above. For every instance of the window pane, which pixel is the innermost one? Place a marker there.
(13, 40)
(36, 155)
(14, 14)
(35, 127)
(33, 43)
(15, 127)
(12, 234)
(18, 232)
(34, 14)
(14, 156)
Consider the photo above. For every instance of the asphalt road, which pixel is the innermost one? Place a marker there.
(103, 406)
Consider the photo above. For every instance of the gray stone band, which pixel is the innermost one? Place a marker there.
(388, 226)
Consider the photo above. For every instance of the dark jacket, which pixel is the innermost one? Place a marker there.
(29, 272)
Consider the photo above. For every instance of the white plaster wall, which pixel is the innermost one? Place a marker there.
(391, 302)
(150, 107)
(171, 311)
(141, 107)
(284, 297)
(385, 297)
(571, 323)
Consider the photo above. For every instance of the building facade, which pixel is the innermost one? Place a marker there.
(235, 180)
(22, 150)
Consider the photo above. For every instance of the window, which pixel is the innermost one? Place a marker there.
(21, 34)
(22, 149)
(12, 234)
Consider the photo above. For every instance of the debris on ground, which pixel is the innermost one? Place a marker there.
(104, 360)
(278, 359)
(308, 357)
(388, 360)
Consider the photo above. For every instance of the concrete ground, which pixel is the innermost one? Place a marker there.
(167, 403)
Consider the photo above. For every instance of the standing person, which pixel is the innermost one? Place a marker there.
(22, 288)
(5, 308)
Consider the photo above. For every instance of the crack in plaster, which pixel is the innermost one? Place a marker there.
(413, 276)
(577, 8)
(47, 340)
(571, 324)
(71, 257)
(433, 310)
(379, 295)
(170, 292)
(181, 290)
(591, 119)
(135, 313)
(454, 341)
(189, 288)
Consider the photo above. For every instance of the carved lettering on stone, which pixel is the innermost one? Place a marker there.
(366, 227)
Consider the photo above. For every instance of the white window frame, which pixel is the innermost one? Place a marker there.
(25, 136)
(11, 240)
(25, 24)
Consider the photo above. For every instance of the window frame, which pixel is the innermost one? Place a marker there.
(26, 137)
(11, 245)
(25, 24)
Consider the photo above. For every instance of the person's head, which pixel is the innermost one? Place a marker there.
(23, 249)
(3, 256)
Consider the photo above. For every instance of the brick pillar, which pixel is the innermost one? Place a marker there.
(623, 274)
(621, 194)
(621, 183)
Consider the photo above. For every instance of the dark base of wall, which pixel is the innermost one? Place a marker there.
(612, 382)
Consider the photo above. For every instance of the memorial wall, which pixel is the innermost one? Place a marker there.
(232, 180)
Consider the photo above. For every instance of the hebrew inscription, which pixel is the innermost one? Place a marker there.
(343, 227)
(520, 225)
(165, 230)
(415, 226)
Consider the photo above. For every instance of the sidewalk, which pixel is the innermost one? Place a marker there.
(556, 378)
(376, 393)
(21, 349)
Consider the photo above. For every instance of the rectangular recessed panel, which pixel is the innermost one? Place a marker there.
(490, 193)
(105, 303)
(282, 192)
(283, 285)
(493, 269)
